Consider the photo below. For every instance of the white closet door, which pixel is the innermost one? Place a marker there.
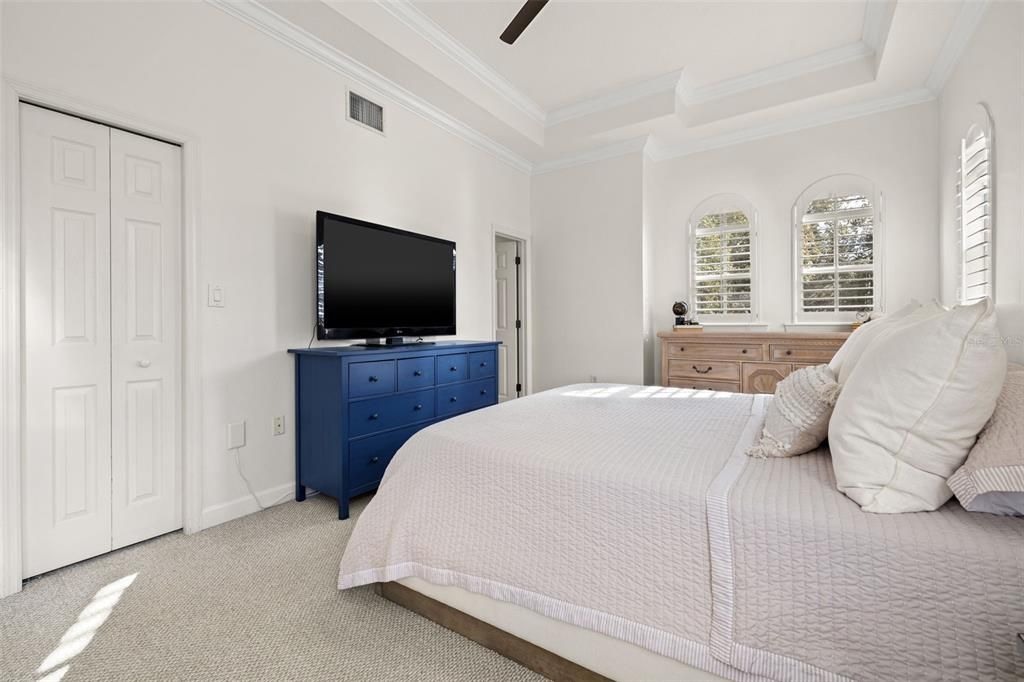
(145, 236)
(65, 207)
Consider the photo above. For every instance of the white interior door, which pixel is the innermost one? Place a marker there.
(507, 322)
(145, 219)
(101, 259)
(65, 207)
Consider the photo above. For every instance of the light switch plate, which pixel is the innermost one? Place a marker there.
(278, 426)
(215, 296)
(236, 435)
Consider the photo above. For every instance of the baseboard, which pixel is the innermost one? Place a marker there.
(243, 506)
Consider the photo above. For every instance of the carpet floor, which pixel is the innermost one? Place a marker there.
(253, 599)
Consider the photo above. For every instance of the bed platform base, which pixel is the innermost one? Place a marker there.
(524, 653)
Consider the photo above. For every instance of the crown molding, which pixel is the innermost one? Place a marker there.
(770, 75)
(792, 125)
(877, 19)
(616, 98)
(431, 31)
(276, 26)
(611, 151)
(966, 23)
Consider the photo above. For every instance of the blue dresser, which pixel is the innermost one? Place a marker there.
(355, 406)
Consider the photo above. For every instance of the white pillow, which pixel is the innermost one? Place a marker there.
(797, 418)
(912, 408)
(850, 353)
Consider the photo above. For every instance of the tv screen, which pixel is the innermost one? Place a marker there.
(375, 281)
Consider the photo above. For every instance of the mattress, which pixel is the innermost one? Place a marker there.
(634, 512)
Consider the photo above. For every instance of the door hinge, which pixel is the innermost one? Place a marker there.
(519, 324)
(519, 261)
(519, 388)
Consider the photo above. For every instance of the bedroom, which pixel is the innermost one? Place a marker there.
(603, 144)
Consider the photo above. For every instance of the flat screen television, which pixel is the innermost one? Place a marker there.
(377, 282)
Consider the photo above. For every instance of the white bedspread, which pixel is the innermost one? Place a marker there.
(634, 512)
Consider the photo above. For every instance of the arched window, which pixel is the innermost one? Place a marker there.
(974, 214)
(723, 259)
(838, 271)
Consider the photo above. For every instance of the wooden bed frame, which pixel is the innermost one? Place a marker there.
(526, 654)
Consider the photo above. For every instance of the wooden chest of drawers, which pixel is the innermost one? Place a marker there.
(740, 362)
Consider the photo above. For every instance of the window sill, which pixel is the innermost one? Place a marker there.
(762, 325)
(824, 326)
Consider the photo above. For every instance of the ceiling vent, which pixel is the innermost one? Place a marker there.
(362, 110)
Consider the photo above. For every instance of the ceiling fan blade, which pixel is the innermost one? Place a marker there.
(519, 23)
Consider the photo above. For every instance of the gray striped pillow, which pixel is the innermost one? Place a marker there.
(992, 478)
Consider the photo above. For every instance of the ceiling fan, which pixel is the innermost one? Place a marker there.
(521, 20)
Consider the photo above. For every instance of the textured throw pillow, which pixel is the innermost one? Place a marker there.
(850, 353)
(912, 409)
(797, 419)
(992, 479)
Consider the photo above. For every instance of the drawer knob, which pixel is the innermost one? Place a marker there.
(682, 349)
(374, 460)
(374, 379)
(417, 373)
(744, 351)
(701, 371)
(483, 391)
(417, 407)
(374, 416)
(453, 369)
(483, 364)
(789, 352)
(453, 399)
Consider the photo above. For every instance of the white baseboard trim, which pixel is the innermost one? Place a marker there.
(245, 505)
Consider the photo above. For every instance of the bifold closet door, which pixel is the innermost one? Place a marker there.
(65, 211)
(145, 238)
(101, 260)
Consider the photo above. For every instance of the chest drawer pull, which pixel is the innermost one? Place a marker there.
(483, 364)
(453, 399)
(702, 371)
(418, 407)
(374, 416)
(483, 391)
(374, 460)
(417, 373)
(789, 352)
(453, 369)
(374, 379)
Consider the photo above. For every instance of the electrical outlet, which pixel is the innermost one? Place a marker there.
(236, 435)
(279, 425)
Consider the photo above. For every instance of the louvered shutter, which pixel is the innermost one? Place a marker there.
(837, 260)
(722, 264)
(974, 199)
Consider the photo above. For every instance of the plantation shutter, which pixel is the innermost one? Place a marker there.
(974, 199)
(837, 260)
(722, 264)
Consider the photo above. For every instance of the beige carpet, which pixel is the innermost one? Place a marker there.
(254, 599)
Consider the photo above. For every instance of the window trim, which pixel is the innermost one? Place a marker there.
(725, 202)
(842, 183)
(981, 125)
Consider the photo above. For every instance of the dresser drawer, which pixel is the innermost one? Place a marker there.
(705, 384)
(788, 352)
(369, 457)
(452, 368)
(763, 377)
(700, 369)
(715, 351)
(465, 397)
(380, 414)
(415, 373)
(482, 364)
(371, 378)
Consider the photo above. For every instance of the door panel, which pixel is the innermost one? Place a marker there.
(145, 242)
(65, 197)
(506, 308)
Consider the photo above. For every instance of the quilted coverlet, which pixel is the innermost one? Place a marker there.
(634, 512)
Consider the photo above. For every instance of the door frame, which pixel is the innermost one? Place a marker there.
(525, 299)
(13, 93)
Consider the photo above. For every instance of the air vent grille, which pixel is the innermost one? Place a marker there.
(366, 112)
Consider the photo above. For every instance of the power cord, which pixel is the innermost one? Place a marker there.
(310, 344)
(248, 485)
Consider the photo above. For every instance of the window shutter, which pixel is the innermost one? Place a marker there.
(837, 260)
(722, 264)
(974, 200)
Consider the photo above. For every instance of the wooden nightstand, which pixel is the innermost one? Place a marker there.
(741, 362)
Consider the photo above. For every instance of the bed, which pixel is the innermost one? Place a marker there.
(624, 530)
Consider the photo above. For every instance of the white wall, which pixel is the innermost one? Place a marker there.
(894, 149)
(991, 71)
(588, 273)
(274, 147)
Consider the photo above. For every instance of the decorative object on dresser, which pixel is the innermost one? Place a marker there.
(741, 362)
(356, 406)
